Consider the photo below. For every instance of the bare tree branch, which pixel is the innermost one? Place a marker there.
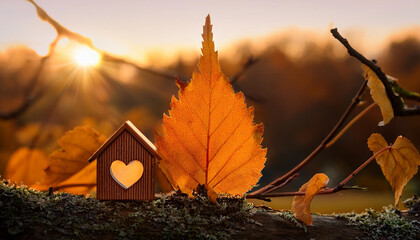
(65, 32)
(248, 64)
(397, 104)
(319, 149)
(338, 188)
(400, 109)
(110, 58)
(21, 109)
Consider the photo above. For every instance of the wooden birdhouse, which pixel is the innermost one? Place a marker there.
(126, 166)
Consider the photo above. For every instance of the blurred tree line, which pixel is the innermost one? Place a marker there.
(301, 97)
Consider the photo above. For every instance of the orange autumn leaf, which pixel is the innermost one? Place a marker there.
(27, 166)
(209, 136)
(399, 164)
(86, 176)
(301, 206)
(378, 93)
(77, 146)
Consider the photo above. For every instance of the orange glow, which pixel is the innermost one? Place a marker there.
(86, 57)
(126, 175)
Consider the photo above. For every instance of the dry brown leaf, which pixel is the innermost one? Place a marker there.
(209, 136)
(77, 146)
(301, 206)
(399, 164)
(377, 90)
(27, 166)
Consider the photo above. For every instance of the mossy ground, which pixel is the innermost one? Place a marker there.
(385, 224)
(29, 214)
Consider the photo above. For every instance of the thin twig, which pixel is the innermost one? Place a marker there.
(293, 177)
(348, 125)
(396, 101)
(402, 92)
(321, 146)
(338, 188)
(110, 58)
(62, 31)
(410, 111)
(397, 104)
(340, 185)
(20, 109)
(248, 64)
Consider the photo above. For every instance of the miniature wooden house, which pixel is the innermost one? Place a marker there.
(126, 166)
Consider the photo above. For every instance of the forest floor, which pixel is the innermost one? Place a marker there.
(28, 214)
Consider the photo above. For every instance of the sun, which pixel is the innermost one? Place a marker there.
(86, 57)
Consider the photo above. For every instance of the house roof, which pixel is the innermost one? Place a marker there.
(143, 140)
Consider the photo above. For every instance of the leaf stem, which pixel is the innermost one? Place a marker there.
(340, 185)
(353, 121)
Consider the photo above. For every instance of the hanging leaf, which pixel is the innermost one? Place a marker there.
(27, 166)
(399, 164)
(301, 206)
(209, 136)
(378, 93)
(77, 146)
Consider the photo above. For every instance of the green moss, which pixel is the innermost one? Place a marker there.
(382, 224)
(413, 204)
(288, 215)
(25, 213)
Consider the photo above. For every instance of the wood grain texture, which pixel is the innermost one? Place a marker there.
(126, 148)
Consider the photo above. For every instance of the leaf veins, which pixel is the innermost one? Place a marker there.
(209, 136)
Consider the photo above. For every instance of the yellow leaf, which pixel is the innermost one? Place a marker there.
(301, 206)
(27, 166)
(378, 93)
(399, 164)
(77, 146)
(209, 136)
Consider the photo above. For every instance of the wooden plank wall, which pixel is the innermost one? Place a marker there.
(125, 148)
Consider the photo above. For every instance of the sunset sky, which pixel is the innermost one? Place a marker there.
(137, 28)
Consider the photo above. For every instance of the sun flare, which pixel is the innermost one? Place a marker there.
(86, 57)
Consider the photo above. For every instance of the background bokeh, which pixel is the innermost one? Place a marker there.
(301, 84)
